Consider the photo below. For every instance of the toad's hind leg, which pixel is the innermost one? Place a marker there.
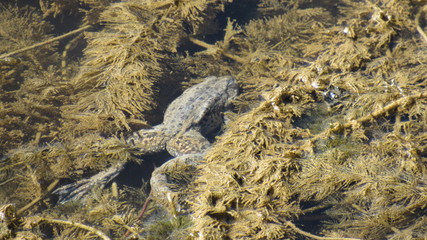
(77, 190)
(145, 141)
(169, 182)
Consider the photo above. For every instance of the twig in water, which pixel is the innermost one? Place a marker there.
(296, 229)
(417, 22)
(45, 42)
(93, 230)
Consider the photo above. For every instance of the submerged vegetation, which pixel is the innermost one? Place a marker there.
(328, 139)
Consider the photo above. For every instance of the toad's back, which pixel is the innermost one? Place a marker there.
(200, 106)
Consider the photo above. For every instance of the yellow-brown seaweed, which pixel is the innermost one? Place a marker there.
(329, 132)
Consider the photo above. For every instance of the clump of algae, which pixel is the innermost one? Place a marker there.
(124, 63)
(330, 125)
(111, 91)
(334, 141)
(29, 86)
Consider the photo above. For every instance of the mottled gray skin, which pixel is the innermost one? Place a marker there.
(190, 117)
(194, 114)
